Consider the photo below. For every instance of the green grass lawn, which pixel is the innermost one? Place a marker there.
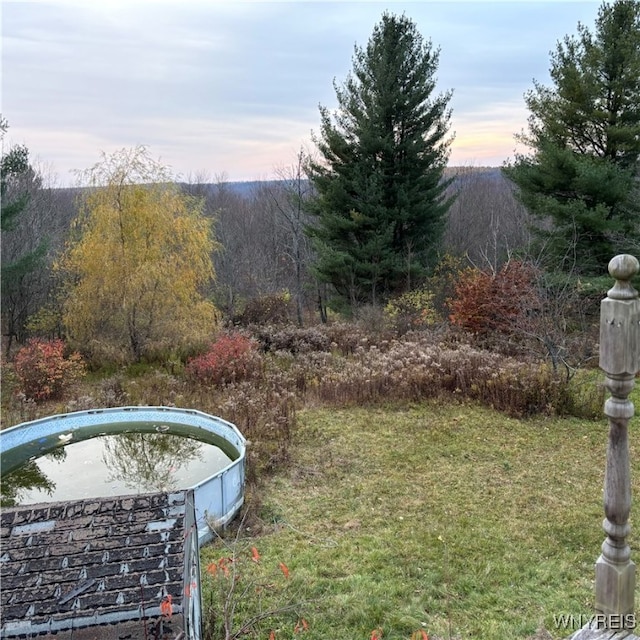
(449, 518)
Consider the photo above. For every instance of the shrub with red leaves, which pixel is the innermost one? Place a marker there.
(42, 370)
(484, 302)
(230, 358)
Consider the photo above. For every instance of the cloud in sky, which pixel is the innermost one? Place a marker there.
(233, 87)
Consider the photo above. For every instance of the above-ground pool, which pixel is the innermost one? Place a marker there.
(117, 451)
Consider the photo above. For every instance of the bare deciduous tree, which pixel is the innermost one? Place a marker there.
(486, 222)
(288, 197)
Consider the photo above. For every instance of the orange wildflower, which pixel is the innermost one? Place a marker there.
(255, 556)
(166, 608)
(212, 568)
(272, 635)
(376, 634)
(302, 625)
(222, 565)
(284, 569)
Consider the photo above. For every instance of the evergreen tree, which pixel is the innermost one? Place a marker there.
(17, 179)
(379, 206)
(18, 182)
(584, 132)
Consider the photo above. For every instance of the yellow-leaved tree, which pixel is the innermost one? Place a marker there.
(138, 263)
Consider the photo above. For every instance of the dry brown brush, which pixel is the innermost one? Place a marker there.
(328, 366)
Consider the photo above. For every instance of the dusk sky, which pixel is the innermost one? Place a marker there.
(230, 89)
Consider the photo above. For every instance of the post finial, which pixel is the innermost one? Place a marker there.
(622, 268)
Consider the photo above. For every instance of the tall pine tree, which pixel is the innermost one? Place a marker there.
(583, 172)
(380, 203)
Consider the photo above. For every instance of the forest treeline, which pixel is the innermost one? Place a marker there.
(485, 225)
(371, 224)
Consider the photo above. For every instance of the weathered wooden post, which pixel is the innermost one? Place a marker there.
(620, 361)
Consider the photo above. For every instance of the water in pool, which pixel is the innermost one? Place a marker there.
(113, 465)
